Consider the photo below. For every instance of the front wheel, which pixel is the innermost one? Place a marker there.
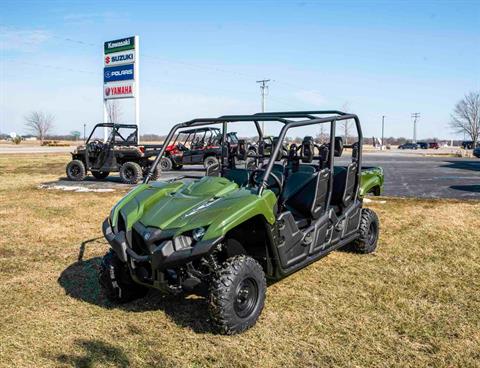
(76, 170)
(210, 161)
(237, 295)
(166, 163)
(369, 232)
(116, 281)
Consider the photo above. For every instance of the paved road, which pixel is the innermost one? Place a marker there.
(428, 177)
(406, 175)
(9, 149)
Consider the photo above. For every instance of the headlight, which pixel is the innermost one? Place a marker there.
(198, 233)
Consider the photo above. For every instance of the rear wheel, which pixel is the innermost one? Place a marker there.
(100, 174)
(116, 281)
(76, 170)
(130, 172)
(237, 295)
(210, 161)
(369, 232)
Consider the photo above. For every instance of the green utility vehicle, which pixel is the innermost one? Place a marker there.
(223, 235)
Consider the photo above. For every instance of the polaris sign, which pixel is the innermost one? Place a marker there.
(119, 58)
(118, 73)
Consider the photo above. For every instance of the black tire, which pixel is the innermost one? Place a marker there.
(116, 282)
(237, 295)
(166, 164)
(177, 166)
(209, 161)
(130, 172)
(369, 231)
(100, 174)
(76, 170)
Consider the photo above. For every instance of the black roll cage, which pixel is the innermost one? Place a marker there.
(115, 128)
(310, 118)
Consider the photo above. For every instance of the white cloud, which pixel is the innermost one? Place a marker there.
(22, 39)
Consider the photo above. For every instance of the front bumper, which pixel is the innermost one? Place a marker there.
(161, 257)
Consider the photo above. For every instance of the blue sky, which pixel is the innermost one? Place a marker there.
(203, 58)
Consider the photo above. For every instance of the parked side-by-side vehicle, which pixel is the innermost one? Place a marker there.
(120, 152)
(225, 234)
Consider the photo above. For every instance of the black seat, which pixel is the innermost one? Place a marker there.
(239, 176)
(344, 184)
(299, 194)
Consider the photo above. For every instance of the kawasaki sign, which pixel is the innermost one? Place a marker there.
(119, 45)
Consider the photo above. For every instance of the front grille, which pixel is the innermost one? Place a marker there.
(138, 244)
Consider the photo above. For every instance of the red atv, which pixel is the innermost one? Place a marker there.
(199, 146)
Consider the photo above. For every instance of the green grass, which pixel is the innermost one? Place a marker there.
(413, 303)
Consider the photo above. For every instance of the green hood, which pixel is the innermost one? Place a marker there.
(214, 203)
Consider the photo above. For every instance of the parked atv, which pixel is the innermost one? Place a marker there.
(198, 146)
(225, 234)
(119, 153)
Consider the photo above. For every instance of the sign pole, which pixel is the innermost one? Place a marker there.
(105, 120)
(137, 87)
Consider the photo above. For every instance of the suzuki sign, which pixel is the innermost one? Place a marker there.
(119, 58)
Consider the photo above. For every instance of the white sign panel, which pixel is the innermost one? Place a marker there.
(119, 90)
(119, 58)
(121, 74)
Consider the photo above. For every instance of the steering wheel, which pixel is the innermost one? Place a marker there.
(277, 180)
(96, 144)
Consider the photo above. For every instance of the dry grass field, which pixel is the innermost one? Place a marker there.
(414, 303)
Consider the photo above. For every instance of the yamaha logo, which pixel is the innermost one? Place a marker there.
(107, 91)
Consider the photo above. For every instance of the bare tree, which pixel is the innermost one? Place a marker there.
(466, 116)
(114, 112)
(39, 123)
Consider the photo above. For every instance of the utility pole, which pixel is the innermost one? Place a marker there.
(415, 116)
(383, 129)
(263, 91)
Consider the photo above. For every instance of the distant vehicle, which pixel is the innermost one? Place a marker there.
(476, 152)
(433, 145)
(119, 153)
(408, 146)
(469, 144)
(422, 145)
(197, 146)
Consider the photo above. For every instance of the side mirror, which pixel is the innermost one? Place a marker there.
(338, 146)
